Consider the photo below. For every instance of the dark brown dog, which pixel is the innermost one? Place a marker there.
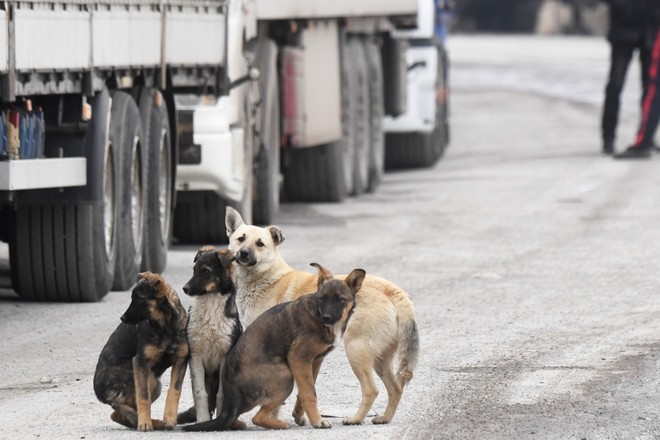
(150, 339)
(286, 344)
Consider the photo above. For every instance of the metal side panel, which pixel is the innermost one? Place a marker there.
(43, 173)
(4, 54)
(50, 38)
(322, 81)
(285, 9)
(126, 37)
(194, 38)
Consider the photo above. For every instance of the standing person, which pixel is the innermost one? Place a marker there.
(630, 31)
(643, 146)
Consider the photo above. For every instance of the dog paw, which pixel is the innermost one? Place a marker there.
(168, 423)
(299, 419)
(144, 427)
(379, 420)
(322, 424)
(238, 426)
(352, 421)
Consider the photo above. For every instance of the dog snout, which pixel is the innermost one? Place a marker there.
(186, 289)
(327, 319)
(245, 256)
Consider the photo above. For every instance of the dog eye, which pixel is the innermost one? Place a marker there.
(260, 244)
(241, 239)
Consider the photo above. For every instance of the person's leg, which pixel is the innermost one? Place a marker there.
(651, 105)
(643, 146)
(620, 59)
(645, 58)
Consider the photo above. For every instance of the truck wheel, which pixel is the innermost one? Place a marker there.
(419, 150)
(376, 110)
(158, 183)
(65, 251)
(361, 119)
(315, 174)
(267, 162)
(127, 137)
(198, 218)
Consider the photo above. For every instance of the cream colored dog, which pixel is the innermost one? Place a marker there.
(382, 326)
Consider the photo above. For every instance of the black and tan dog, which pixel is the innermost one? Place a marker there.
(286, 344)
(213, 329)
(150, 339)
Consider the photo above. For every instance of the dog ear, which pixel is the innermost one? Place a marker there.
(324, 274)
(141, 276)
(197, 255)
(203, 250)
(277, 234)
(225, 256)
(354, 279)
(233, 220)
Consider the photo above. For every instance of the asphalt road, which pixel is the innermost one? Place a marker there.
(530, 257)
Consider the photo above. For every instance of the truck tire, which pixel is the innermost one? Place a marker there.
(66, 251)
(419, 150)
(361, 118)
(127, 138)
(158, 183)
(376, 112)
(266, 173)
(315, 174)
(199, 218)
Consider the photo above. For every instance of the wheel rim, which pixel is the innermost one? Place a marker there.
(109, 201)
(136, 197)
(164, 187)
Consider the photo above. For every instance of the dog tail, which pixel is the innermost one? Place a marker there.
(408, 335)
(221, 423)
(226, 417)
(212, 425)
(188, 416)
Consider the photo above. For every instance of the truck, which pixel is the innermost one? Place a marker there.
(136, 122)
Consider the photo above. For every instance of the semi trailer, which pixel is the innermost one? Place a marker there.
(136, 122)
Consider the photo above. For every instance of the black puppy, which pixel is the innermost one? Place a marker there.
(213, 329)
(150, 339)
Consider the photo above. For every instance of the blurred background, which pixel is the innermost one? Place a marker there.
(577, 17)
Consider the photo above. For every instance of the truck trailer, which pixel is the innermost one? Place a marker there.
(136, 122)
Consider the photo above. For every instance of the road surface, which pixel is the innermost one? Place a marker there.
(531, 258)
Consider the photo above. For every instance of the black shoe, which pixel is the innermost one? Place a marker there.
(608, 147)
(635, 152)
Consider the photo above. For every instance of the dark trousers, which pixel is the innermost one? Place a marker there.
(651, 104)
(622, 53)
